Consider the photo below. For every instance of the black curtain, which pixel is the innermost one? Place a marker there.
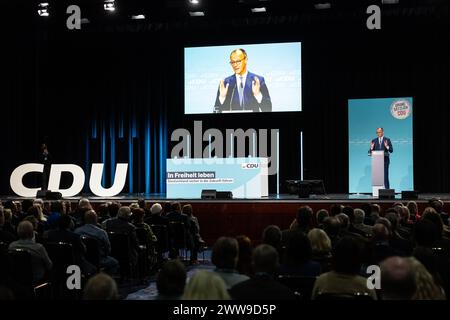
(114, 94)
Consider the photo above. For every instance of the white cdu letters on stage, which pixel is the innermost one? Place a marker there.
(17, 186)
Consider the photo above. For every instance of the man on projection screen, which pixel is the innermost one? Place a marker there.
(384, 144)
(243, 91)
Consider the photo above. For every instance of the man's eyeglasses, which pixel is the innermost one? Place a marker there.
(236, 62)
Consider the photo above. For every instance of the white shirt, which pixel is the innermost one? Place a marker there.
(381, 142)
(258, 97)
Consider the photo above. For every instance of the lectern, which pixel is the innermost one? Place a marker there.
(377, 171)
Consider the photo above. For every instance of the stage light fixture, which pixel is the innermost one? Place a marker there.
(138, 17)
(109, 5)
(194, 1)
(322, 6)
(43, 9)
(259, 10)
(390, 1)
(196, 13)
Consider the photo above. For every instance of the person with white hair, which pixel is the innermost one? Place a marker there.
(358, 222)
(155, 217)
(206, 285)
(123, 226)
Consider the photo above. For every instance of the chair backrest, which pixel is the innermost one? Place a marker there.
(162, 236)
(62, 256)
(92, 250)
(303, 285)
(142, 236)
(61, 253)
(120, 245)
(177, 234)
(21, 267)
(343, 296)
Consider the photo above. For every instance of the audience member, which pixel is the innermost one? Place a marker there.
(171, 280)
(101, 287)
(344, 278)
(225, 254)
(206, 285)
(397, 279)
(90, 229)
(41, 263)
(263, 285)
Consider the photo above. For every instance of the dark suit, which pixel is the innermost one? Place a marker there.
(249, 101)
(157, 219)
(79, 249)
(261, 287)
(377, 147)
(176, 216)
(120, 225)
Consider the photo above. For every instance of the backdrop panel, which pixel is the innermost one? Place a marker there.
(364, 117)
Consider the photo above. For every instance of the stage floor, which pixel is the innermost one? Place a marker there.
(289, 198)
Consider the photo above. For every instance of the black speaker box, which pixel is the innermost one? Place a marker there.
(209, 194)
(410, 195)
(386, 194)
(224, 195)
(48, 195)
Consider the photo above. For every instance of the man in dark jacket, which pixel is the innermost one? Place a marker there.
(263, 286)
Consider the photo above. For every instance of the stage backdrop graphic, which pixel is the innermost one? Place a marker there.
(364, 117)
(278, 63)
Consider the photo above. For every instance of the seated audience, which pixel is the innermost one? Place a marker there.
(397, 279)
(5, 236)
(272, 236)
(121, 225)
(426, 286)
(176, 216)
(413, 210)
(113, 209)
(320, 247)
(381, 248)
(244, 265)
(206, 285)
(171, 280)
(359, 224)
(90, 229)
(41, 263)
(263, 285)
(56, 209)
(8, 223)
(155, 216)
(332, 226)
(320, 216)
(64, 234)
(344, 278)
(302, 223)
(225, 255)
(197, 240)
(298, 258)
(101, 287)
(138, 222)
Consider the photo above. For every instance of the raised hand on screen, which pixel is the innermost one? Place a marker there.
(256, 86)
(386, 144)
(223, 89)
(372, 145)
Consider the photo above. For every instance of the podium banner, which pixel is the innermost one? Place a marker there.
(244, 177)
(394, 115)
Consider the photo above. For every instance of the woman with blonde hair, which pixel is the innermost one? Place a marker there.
(321, 248)
(426, 288)
(206, 285)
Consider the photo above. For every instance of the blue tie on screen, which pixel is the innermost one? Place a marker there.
(241, 91)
